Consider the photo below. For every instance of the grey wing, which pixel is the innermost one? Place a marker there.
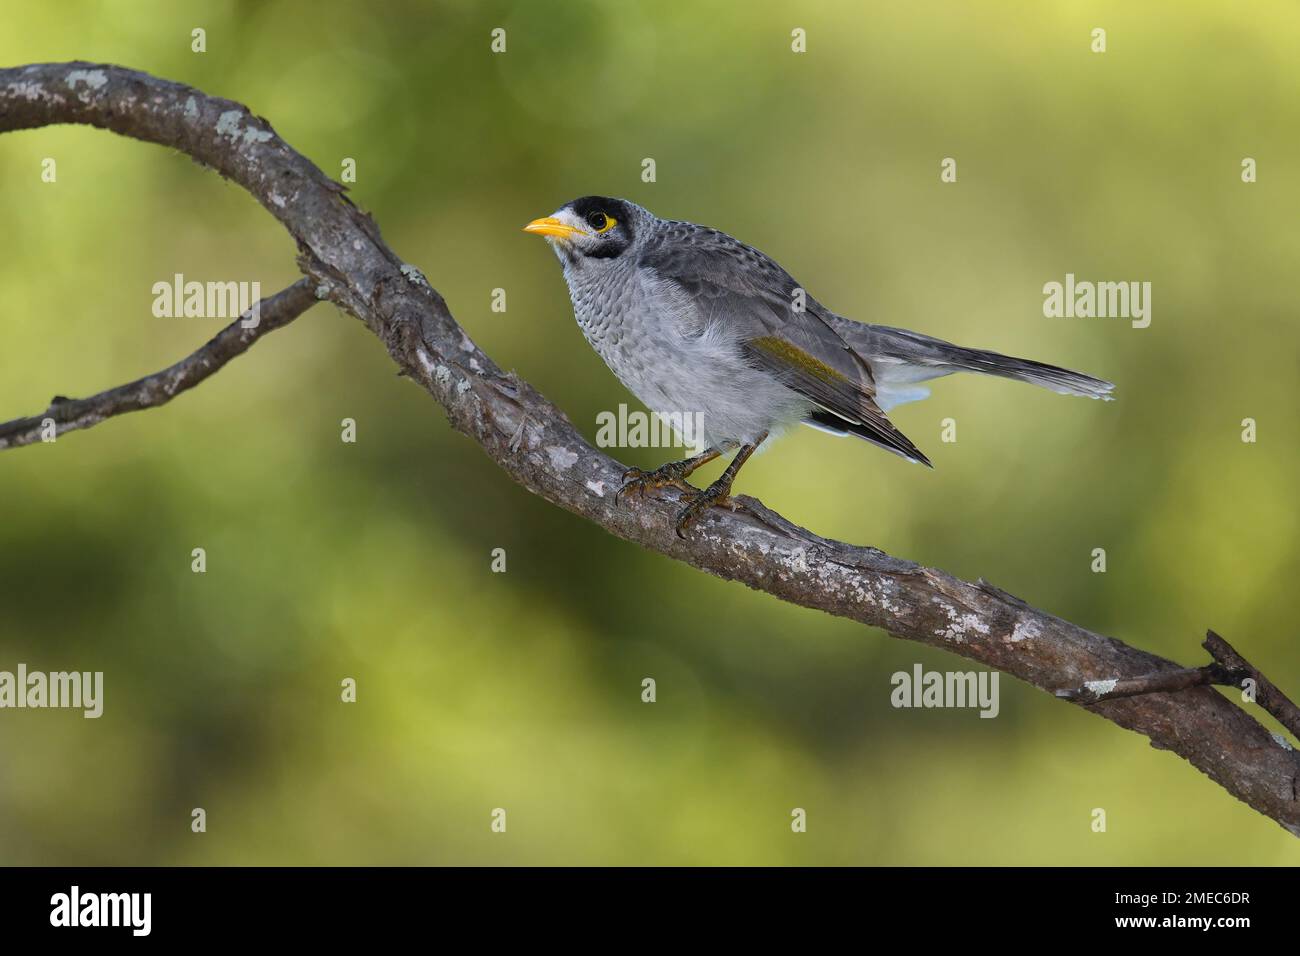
(734, 283)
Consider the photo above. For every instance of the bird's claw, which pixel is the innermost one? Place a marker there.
(717, 494)
(636, 481)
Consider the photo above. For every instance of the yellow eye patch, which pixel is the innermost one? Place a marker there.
(599, 222)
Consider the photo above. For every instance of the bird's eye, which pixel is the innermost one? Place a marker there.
(600, 222)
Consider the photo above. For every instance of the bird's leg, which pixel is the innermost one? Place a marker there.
(674, 473)
(716, 493)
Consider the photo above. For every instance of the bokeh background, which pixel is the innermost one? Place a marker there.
(522, 690)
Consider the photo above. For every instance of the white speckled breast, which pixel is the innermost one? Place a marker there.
(671, 357)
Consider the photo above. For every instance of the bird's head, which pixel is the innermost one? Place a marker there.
(591, 228)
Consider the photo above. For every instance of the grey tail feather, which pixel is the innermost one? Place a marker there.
(1052, 377)
(913, 348)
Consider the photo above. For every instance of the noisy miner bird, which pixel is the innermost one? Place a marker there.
(695, 322)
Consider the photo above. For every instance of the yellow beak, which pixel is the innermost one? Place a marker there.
(550, 226)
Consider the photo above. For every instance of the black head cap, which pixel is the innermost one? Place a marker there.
(610, 221)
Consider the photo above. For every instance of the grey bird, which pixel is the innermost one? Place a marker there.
(696, 323)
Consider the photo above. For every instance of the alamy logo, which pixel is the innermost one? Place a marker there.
(1102, 300)
(923, 688)
(208, 300)
(633, 429)
(71, 689)
(75, 908)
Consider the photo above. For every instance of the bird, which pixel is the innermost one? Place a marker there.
(695, 322)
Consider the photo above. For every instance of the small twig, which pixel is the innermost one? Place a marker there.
(161, 387)
(1266, 693)
(1161, 682)
(1229, 669)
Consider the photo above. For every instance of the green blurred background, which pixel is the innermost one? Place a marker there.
(522, 690)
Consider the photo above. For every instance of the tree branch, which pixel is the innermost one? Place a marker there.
(341, 251)
(69, 414)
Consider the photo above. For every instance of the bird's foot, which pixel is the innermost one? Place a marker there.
(717, 494)
(636, 481)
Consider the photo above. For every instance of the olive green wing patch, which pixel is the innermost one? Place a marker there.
(797, 358)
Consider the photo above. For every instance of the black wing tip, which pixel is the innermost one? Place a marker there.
(892, 440)
(914, 454)
(897, 442)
